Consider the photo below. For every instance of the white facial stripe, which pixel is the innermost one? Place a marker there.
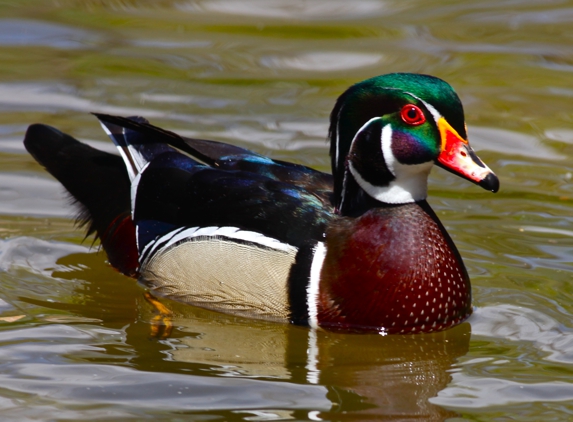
(411, 183)
(364, 126)
(435, 113)
(313, 287)
(386, 144)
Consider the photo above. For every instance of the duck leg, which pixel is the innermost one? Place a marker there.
(162, 322)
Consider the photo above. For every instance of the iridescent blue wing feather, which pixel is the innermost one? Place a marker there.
(238, 188)
(137, 130)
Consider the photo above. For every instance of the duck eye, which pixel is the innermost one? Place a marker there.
(412, 115)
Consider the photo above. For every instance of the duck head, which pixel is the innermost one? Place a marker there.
(387, 132)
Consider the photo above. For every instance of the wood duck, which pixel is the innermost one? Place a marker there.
(217, 226)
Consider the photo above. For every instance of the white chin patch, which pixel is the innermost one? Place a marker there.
(411, 183)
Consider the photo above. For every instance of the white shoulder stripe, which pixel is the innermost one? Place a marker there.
(313, 287)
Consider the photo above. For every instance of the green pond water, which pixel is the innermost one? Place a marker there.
(76, 337)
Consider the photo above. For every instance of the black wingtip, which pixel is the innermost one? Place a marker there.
(118, 120)
(105, 117)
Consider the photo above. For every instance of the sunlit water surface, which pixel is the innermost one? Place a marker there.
(77, 339)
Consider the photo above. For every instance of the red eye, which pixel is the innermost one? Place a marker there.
(412, 115)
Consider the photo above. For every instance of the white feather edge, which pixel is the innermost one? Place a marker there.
(134, 161)
(133, 194)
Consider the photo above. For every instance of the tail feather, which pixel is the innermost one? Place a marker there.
(98, 182)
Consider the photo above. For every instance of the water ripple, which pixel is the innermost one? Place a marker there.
(19, 32)
(322, 61)
(469, 391)
(517, 323)
(288, 9)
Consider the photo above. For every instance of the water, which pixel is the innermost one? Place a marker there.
(79, 342)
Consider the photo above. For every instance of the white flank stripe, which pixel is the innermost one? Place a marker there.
(151, 244)
(228, 232)
(313, 287)
(262, 240)
(177, 236)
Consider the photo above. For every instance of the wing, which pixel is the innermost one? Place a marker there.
(223, 156)
(238, 188)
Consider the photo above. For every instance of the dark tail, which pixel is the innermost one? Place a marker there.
(98, 182)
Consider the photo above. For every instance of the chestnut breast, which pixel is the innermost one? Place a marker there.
(392, 270)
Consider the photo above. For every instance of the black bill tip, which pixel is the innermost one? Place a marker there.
(490, 182)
